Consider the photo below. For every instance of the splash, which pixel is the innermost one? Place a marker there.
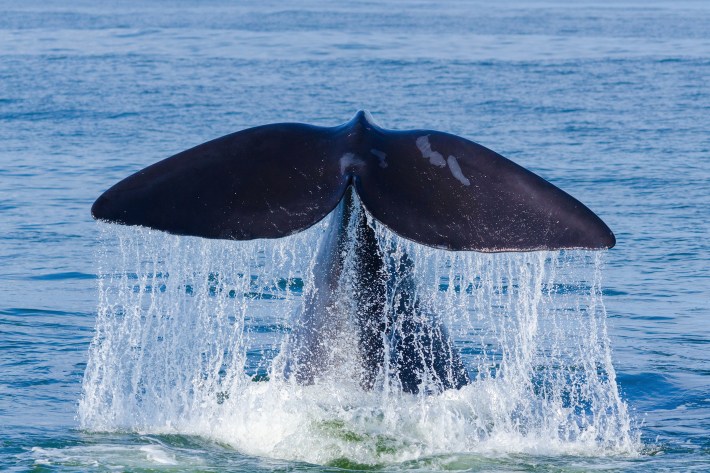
(192, 335)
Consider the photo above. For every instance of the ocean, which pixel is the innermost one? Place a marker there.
(607, 100)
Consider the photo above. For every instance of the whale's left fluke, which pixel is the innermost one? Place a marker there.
(264, 182)
(434, 188)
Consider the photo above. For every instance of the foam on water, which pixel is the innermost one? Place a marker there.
(189, 333)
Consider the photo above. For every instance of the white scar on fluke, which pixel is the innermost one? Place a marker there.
(456, 170)
(349, 161)
(381, 155)
(425, 147)
(437, 159)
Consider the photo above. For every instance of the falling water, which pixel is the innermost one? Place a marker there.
(191, 336)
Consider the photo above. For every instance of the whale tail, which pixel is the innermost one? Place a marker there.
(435, 188)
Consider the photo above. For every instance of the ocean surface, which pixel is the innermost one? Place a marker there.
(607, 100)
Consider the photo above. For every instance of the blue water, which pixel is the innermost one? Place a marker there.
(609, 101)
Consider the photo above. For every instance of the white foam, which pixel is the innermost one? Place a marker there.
(156, 454)
(106, 457)
(182, 320)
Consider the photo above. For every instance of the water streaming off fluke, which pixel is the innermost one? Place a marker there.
(192, 334)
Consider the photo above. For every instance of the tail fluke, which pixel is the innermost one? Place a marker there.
(431, 187)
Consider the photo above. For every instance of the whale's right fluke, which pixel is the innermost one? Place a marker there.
(444, 191)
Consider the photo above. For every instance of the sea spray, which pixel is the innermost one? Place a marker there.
(191, 336)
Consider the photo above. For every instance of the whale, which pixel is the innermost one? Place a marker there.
(430, 187)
